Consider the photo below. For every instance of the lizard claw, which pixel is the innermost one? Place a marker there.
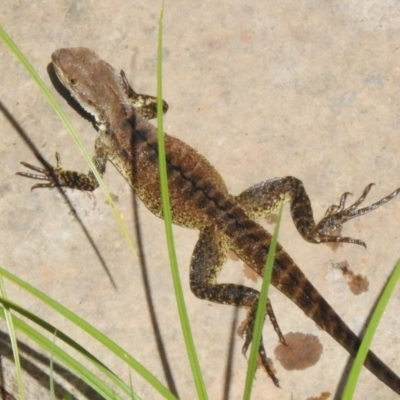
(45, 174)
(248, 333)
(267, 365)
(264, 359)
(337, 215)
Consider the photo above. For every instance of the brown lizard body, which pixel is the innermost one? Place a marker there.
(200, 200)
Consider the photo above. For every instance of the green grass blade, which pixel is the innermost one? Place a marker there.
(14, 344)
(95, 333)
(189, 343)
(54, 104)
(262, 304)
(51, 377)
(72, 364)
(70, 342)
(369, 333)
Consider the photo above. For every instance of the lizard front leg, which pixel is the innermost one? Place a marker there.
(59, 177)
(144, 104)
(207, 260)
(262, 199)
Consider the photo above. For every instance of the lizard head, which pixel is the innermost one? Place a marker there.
(96, 86)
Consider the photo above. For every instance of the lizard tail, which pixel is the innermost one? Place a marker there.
(338, 329)
(382, 372)
(289, 279)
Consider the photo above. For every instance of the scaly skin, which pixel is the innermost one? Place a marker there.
(200, 200)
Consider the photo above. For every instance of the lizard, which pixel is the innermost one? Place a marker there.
(200, 200)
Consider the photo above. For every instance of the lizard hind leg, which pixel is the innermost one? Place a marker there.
(263, 199)
(207, 260)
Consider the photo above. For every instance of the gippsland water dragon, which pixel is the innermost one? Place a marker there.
(200, 200)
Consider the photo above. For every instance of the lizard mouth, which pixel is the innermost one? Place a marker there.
(58, 72)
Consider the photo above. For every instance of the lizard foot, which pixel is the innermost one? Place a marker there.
(248, 332)
(337, 215)
(49, 174)
(59, 177)
(263, 357)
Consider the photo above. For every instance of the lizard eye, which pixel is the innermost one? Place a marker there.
(73, 81)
